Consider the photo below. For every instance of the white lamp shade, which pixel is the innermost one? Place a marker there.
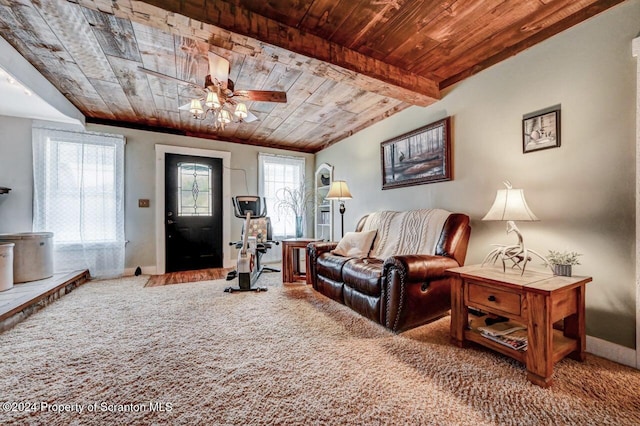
(339, 191)
(225, 117)
(241, 111)
(195, 107)
(510, 204)
(212, 100)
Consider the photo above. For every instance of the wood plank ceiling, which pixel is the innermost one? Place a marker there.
(345, 64)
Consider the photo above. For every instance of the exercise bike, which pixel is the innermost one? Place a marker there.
(248, 270)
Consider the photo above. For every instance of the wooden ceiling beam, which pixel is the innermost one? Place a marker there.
(328, 59)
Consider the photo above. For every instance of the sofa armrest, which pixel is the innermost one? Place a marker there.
(420, 267)
(314, 251)
(416, 290)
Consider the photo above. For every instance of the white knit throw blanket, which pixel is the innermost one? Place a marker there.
(408, 232)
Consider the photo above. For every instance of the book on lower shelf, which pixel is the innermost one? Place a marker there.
(509, 334)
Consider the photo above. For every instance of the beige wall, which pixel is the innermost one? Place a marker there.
(583, 192)
(16, 172)
(140, 183)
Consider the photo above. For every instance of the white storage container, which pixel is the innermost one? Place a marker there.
(32, 255)
(6, 266)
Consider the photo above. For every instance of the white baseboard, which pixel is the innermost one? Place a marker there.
(611, 351)
(146, 270)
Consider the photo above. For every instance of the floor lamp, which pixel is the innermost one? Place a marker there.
(339, 191)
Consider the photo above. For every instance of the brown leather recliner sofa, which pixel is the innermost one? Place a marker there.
(401, 283)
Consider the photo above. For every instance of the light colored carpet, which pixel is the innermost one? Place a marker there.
(286, 356)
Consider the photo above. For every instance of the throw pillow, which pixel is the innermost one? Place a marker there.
(258, 229)
(355, 244)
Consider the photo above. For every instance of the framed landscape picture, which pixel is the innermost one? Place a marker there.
(418, 157)
(541, 129)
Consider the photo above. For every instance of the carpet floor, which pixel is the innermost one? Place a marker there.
(115, 352)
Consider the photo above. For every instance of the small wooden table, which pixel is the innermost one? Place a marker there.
(291, 259)
(536, 300)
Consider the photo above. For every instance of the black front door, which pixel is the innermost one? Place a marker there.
(193, 212)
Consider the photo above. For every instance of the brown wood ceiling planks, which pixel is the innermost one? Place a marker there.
(345, 64)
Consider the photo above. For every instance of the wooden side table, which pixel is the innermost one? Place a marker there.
(536, 300)
(291, 259)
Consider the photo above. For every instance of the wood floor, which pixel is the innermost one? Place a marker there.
(187, 277)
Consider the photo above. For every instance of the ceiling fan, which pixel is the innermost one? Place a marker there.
(220, 99)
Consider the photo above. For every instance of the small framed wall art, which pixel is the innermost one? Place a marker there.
(541, 129)
(418, 157)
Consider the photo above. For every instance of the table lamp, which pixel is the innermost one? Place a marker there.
(339, 191)
(510, 205)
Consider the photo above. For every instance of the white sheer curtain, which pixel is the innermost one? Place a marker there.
(275, 173)
(79, 196)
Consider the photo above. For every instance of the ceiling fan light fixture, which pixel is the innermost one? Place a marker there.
(225, 117)
(241, 111)
(196, 107)
(219, 95)
(212, 101)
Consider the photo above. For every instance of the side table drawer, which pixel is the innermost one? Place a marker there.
(482, 296)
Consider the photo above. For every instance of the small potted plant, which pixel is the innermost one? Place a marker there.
(561, 262)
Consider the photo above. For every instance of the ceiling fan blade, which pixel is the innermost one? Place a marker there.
(218, 69)
(250, 117)
(262, 95)
(167, 77)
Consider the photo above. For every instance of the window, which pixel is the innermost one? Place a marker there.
(275, 173)
(194, 189)
(79, 196)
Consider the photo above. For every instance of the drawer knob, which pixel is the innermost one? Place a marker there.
(491, 298)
